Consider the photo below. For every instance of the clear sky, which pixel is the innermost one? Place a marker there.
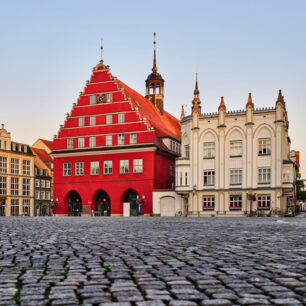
(48, 49)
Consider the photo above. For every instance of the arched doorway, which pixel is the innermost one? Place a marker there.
(102, 204)
(167, 207)
(74, 204)
(132, 196)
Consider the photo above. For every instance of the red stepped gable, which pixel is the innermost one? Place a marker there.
(91, 175)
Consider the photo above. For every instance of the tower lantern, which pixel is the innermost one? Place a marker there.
(155, 85)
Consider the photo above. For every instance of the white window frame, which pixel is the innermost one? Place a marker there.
(108, 167)
(124, 166)
(109, 97)
(121, 118)
(37, 195)
(3, 164)
(209, 150)
(48, 184)
(264, 146)
(210, 177)
(235, 148)
(81, 121)
(37, 183)
(92, 120)
(109, 140)
(93, 100)
(121, 139)
(43, 184)
(14, 207)
(94, 168)
(264, 175)
(69, 143)
(187, 151)
(235, 176)
(235, 201)
(25, 187)
(92, 141)
(138, 165)
(26, 167)
(3, 185)
(264, 201)
(133, 138)
(14, 186)
(66, 169)
(14, 166)
(208, 202)
(81, 142)
(109, 119)
(79, 168)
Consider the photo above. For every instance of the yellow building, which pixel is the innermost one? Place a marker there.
(16, 177)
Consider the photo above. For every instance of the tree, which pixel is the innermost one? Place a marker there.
(300, 185)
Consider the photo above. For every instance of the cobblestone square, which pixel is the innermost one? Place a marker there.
(152, 261)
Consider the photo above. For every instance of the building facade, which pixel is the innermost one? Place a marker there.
(115, 148)
(235, 163)
(16, 177)
(43, 182)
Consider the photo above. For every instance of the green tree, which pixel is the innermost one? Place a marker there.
(300, 193)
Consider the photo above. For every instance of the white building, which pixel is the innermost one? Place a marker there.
(235, 162)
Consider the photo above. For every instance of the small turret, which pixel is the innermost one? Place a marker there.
(249, 110)
(196, 102)
(222, 112)
(182, 112)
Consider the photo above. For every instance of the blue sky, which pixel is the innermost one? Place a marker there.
(48, 49)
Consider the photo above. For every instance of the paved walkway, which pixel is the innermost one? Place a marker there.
(152, 261)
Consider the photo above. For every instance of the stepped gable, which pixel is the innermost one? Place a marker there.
(42, 154)
(165, 125)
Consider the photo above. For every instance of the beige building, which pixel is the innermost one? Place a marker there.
(16, 177)
(234, 162)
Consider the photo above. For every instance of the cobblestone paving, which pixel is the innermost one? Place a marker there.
(152, 261)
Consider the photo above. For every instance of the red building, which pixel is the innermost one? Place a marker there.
(115, 146)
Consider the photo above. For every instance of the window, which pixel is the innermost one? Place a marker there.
(133, 138)
(94, 168)
(69, 143)
(48, 195)
(108, 167)
(109, 140)
(208, 203)
(138, 165)
(26, 207)
(81, 142)
(66, 169)
(236, 177)
(120, 139)
(2, 185)
(92, 141)
(43, 184)
(109, 119)
(37, 195)
(264, 146)
(124, 166)
(264, 175)
(209, 178)
(14, 186)
(93, 99)
(236, 148)
(14, 166)
(235, 201)
(209, 149)
(48, 184)
(37, 183)
(264, 201)
(4, 145)
(81, 121)
(3, 164)
(25, 187)
(109, 97)
(14, 207)
(79, 169)
(186, 178)
(186, 153)
(41, 172)
(92, 120)
(43, 195)
(181, 179)
(120, 118)
(26, 167)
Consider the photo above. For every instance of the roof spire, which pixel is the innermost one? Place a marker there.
(196, 90)
(154, 69)
(250, 101)
(182, 112)
(280, 97)
(222, 104)
(101, 50)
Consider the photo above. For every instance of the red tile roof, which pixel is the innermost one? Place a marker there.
(165, 125)
(42, 154)
(48, 143)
